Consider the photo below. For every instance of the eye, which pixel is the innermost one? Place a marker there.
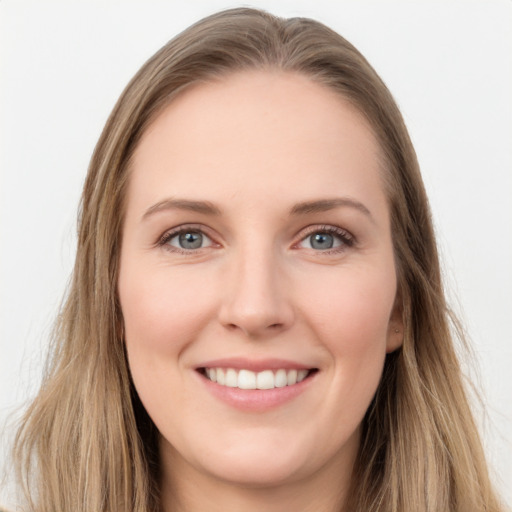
(327, 238)
(186, 239)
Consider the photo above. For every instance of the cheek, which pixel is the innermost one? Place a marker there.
(352, 310)
(350, 317)
(162, 310)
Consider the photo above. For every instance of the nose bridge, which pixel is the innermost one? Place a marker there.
(255, 300)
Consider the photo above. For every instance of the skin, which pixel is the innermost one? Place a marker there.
(255, 145)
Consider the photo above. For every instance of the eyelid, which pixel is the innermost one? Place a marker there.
(347, 238)
(169, 234)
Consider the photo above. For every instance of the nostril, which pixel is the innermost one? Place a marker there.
(255, 329)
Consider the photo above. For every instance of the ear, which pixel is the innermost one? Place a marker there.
(395, 335)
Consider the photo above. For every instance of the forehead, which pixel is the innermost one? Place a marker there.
(257, 132)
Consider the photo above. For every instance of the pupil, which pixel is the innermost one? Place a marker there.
(191, 240)
(322, 241)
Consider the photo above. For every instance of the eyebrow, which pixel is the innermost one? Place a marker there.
(304, 208)
(204, 207)
(323, 205)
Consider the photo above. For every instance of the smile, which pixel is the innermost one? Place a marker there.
(247, 379)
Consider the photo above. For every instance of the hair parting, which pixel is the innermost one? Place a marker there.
(86, 443)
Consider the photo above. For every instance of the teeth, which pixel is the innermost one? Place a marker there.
(291, 377)
(301, 375)
(265, 380)
(231, 378)
(281, 380)
(246, 379)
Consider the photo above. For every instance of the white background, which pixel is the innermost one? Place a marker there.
(448, 63)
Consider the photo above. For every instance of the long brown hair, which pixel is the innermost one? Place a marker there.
(86, 443)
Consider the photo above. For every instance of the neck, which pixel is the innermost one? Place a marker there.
(185, 489)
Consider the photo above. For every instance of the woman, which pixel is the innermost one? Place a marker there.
(256, 319)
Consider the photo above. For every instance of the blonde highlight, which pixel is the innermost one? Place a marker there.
(86, 442)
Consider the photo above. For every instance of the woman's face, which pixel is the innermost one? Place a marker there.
(257, 278)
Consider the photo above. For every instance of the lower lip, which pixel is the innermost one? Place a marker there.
(257, 400)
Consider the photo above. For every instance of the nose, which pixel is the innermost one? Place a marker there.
(256, 300)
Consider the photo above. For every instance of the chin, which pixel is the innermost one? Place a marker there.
(263, 461)
(258, 474)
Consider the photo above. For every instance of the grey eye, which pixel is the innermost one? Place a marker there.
(321, 241)
(189, 240)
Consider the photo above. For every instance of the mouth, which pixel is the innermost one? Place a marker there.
(263, 380)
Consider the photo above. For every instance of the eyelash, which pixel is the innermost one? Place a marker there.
(189, 228)
(346, 238)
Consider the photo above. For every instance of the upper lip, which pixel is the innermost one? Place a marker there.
(255, 365)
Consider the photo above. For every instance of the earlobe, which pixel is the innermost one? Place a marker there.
(395, 336)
